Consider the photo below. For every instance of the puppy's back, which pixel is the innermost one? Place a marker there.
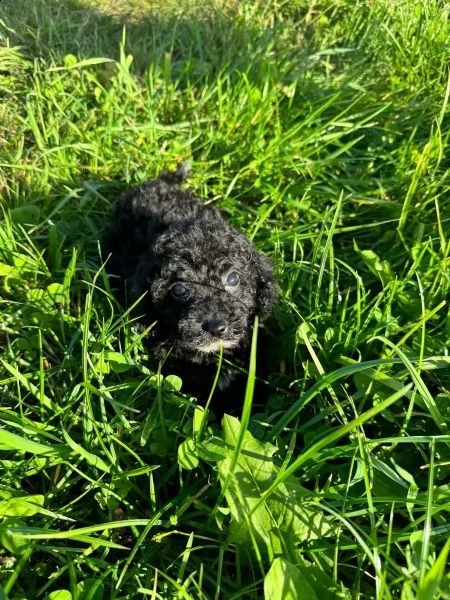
(144, 212)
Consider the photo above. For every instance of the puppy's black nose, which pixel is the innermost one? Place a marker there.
(215, 327)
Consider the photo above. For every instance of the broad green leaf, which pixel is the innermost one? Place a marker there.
(90, 589)
(285, 581)
(381, 268)
(174, 381)
(59, 595)
(12, 542)
(57, 293)
(187, 455)
(212, 449)
(117, 361)
(21, 506)
(302, 581)
(285, 518)
(6, 270)
(36, 294)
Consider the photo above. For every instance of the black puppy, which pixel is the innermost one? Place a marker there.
(201, 281)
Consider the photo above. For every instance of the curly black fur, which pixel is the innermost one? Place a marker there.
(201, 281)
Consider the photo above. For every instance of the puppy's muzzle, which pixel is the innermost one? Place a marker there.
(215, 327)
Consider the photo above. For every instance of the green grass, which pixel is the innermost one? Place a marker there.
(321, 129)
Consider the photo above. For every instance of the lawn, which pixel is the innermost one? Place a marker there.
(320, 129)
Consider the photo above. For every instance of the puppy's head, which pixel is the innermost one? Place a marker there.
(204, 284)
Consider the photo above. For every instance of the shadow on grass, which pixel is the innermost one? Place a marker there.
(188, 45)
(198, 39)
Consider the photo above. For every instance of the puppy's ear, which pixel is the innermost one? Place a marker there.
(266, 291)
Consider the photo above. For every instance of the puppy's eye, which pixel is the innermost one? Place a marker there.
(232, 279)
(179, 291)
